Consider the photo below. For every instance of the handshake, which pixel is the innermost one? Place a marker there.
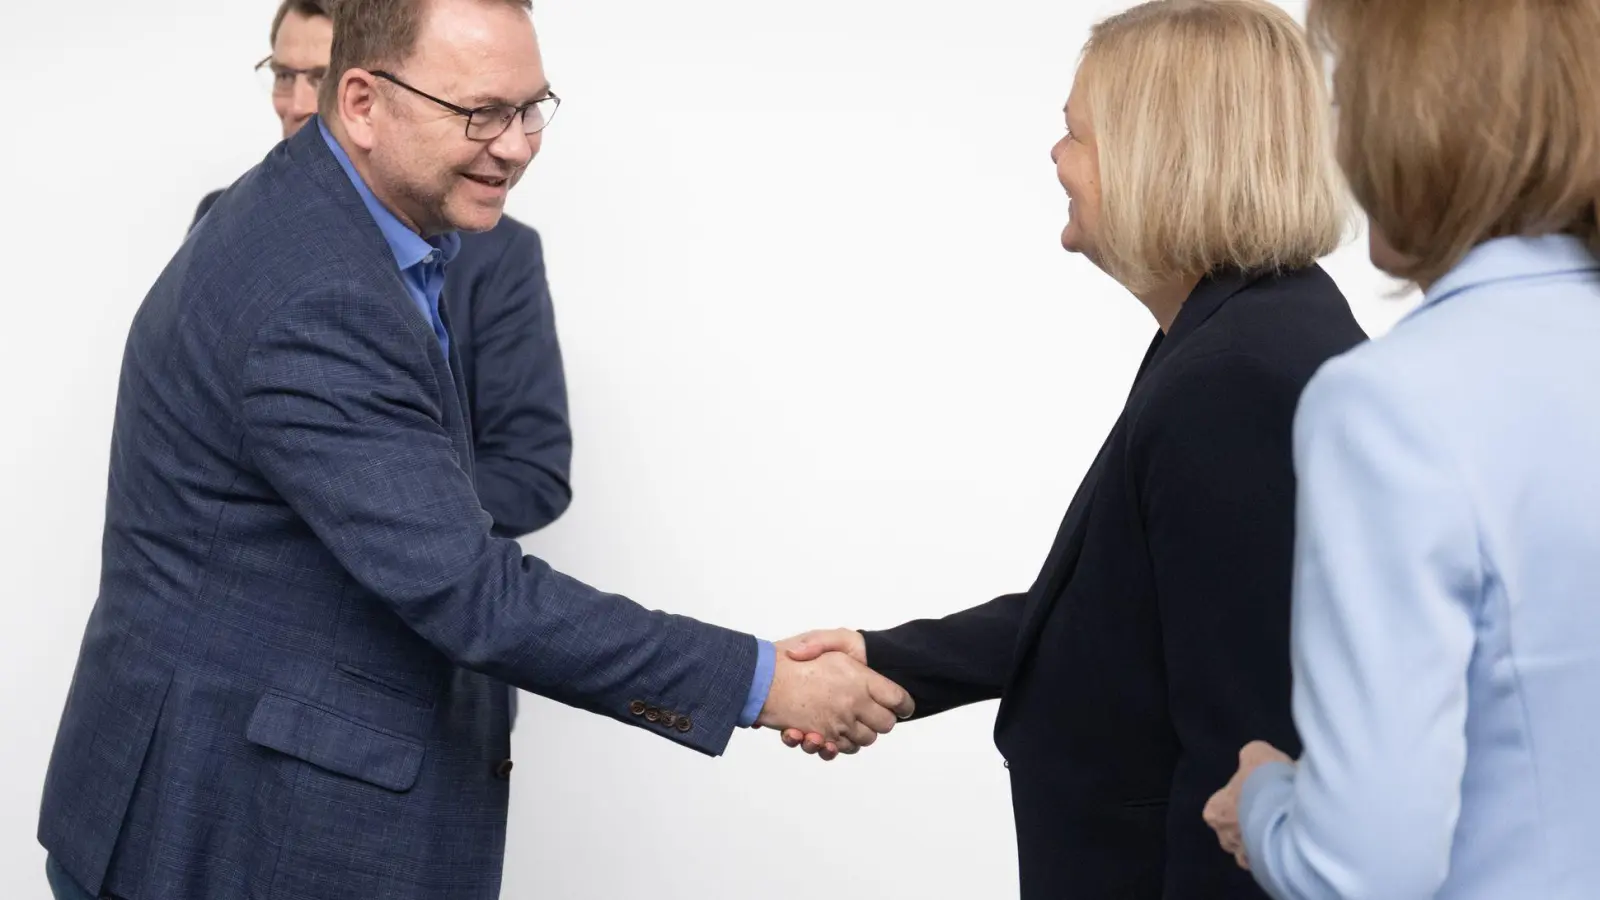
(825, 699)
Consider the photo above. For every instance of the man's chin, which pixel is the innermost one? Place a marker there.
(475, 217)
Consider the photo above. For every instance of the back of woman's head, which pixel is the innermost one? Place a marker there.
(1211, 125)
(1465, 120)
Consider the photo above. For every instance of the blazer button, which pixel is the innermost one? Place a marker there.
(652, 715)
(502, 769)
(669, 719)
(637, 707)
(684, 725)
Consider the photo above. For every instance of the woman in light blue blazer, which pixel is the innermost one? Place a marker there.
(1446, 615)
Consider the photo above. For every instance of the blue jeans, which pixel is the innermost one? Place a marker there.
(61, 884)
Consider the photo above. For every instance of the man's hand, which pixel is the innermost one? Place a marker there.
(1222, 810)
(831, 696)
(812, 645)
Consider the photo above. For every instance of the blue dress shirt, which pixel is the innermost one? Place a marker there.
(1446, 632)
(422, 263)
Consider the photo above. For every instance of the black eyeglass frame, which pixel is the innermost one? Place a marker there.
(469, 114)
(314, 75)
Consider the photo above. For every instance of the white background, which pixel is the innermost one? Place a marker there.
(828, 366)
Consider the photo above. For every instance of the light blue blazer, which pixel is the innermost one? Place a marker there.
(1446, 631)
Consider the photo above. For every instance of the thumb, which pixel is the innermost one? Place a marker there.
(891, 696)
(813, 644)
(804, 649)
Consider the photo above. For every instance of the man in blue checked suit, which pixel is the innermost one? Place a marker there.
(293, 683)
(497, 300)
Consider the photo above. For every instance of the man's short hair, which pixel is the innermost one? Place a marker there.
(375, 34)
(1459, 124)
(1212, 130)
(308, 8)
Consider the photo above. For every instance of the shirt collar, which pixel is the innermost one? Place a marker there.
(1514, 259)
(409, 248)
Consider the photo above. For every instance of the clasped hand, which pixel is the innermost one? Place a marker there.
(1222, 810)
(824, 697)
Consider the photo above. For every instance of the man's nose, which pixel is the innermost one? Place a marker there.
(515, 146)
(304, 101)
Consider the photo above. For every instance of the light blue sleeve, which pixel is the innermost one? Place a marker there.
(760, 683)
(1387, 576)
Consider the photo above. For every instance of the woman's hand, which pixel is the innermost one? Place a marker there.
(1222, 810)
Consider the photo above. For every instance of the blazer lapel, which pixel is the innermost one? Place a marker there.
(1203, 302)
(308, 147)
(1064, 552)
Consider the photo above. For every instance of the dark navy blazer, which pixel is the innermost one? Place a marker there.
(1155, 641)
(292, 683)
(497, 303)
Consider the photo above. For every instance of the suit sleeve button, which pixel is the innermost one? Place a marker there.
(684, 724)
(637, 707)
(502, 769)
(652, 715)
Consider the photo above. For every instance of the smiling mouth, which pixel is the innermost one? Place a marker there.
(486, 180)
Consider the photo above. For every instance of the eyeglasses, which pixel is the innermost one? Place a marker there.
(487, 123)
(280, 80)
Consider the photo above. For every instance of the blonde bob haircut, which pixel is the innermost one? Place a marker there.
(1461, 122)
(1212, 128)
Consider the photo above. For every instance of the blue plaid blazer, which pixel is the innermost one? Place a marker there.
(292, 684)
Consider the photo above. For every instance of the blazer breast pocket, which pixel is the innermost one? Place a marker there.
(414, 695)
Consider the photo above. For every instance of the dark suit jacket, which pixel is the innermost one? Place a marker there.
(497, 305)
(292, 684)
(1155, 642)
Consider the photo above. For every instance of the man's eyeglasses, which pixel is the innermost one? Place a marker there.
(486, 123)
(280, 79)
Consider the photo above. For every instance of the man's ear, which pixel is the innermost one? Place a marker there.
(355, 100)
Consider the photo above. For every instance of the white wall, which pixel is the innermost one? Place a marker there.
(828, 366)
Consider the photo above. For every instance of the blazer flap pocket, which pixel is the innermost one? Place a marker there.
(334, 742)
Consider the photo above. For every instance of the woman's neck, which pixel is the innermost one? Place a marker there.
(1165, 300)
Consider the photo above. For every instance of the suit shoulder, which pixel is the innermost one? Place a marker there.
(514, 230)
(1385, 368)
(206, 203)
(509, 243)
(1215, 378)
(1302, 300)
(271, 240)
(507, 234)
(1290, 322)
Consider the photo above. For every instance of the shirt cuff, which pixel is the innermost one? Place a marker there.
(766, 663)
(1264, 800)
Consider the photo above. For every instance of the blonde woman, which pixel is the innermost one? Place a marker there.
(1155, 640)
(1447, 594)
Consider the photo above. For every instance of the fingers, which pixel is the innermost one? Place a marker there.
(817, 746)
(890, 696)
(861, 733)
(875, 717)
(1222, 814)
(852, 704)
